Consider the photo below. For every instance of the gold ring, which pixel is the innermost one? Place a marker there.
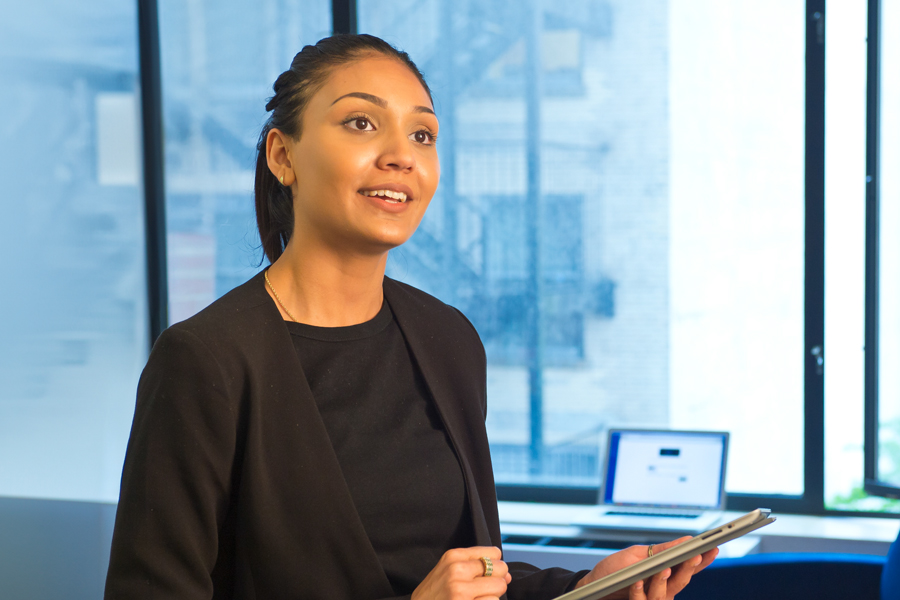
(488, 566)
(649, 550)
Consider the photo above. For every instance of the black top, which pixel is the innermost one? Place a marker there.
(379, 415)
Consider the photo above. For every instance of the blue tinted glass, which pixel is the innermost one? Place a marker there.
(621, 216)
(219, 61)
(73, 321)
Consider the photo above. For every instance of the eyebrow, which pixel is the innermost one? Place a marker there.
(379, 101)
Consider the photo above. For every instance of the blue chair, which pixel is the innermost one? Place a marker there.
(792, 576)
(890, 578)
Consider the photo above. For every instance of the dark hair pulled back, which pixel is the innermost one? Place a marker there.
(293, 90)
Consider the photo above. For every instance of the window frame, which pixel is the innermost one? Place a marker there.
(871, 483)
(150, 67)
(812, 502)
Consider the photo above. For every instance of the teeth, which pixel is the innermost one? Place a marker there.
(399, 196)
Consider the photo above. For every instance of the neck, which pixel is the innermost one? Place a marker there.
(328, 289)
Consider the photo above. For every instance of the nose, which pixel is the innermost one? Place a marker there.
(396, 152)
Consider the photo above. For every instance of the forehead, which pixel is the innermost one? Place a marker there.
(380, 76)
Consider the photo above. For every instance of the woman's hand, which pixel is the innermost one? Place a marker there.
(459, 575)
(662, 586)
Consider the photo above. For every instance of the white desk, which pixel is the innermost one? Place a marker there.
(790, 533)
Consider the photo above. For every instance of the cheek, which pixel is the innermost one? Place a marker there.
(431, 174)
(330, 171)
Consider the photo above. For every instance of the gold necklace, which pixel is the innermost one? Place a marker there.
(277, 299)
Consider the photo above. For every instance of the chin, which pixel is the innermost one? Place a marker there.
(393, 243)
(389, 240)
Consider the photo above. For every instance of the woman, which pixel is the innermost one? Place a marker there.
(318, 432)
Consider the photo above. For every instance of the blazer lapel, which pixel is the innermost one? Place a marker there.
(319, 471)
(450, 373)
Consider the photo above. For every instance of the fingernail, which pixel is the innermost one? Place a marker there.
(639, 585)
(698, 560)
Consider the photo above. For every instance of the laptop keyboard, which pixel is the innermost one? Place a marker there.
(661, 513)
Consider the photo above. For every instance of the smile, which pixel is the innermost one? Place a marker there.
(388, 195)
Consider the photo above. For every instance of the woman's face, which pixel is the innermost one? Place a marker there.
(366, 165)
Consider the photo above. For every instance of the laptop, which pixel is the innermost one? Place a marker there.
(662, 481)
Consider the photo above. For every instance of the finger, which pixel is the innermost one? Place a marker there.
(485, 586)
(501, 569)
(658, 585)
(691, 564)
(477, 568)
(468, 570)
(681, 575)
(708, 557)
(636, 591)
(474, 553)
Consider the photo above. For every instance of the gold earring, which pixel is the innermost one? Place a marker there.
(281, 180)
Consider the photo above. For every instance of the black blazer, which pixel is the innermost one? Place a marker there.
(231, 488)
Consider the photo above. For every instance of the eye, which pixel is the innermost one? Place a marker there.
(359, 123)
(423, 136)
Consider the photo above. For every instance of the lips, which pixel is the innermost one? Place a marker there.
(394, 193)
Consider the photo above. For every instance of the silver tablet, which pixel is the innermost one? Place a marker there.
(673, 556)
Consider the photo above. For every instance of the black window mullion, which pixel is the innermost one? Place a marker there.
(814, 292)
(343, 15)
(873, 88)
(153, 174)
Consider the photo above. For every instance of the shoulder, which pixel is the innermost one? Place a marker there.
(435, 330)
(230, 336)
(406, 297)
(424, 309)
(233, 311)
(245, 316)
(397, 290)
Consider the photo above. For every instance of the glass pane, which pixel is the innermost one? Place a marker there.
(621, 216)
(845, 190)
(219, 60)
(73, 321)
(889, 251)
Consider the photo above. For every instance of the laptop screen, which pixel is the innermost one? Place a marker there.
(665, 468)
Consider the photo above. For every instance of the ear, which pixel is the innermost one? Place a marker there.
(278, 156)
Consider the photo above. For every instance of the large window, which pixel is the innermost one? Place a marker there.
(622, 219)
(630, 212)
(73, 322)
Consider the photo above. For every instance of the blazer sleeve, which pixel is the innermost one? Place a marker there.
(177, 477)
(477, 347)
(531, 583)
